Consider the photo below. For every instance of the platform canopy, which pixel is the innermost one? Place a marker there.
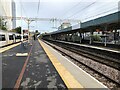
(112, 20)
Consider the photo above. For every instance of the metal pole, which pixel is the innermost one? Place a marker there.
(28, 22)
(22, 44)
(21, 25)
(28, 30)
(1, 62)
(105, 35)
(91, 34)
(119, 38)
(105, 40)
(21, 34)
(115, 36)
(1, 22)
(80, 37)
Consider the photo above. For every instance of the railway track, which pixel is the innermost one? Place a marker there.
(103, 57)
(95, 57)
(103, 60)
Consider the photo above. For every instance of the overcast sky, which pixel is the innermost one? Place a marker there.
(82, 10)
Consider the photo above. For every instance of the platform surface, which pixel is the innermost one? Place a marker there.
(46, 68)
(39, 71)
(12, 65)
(86, 80)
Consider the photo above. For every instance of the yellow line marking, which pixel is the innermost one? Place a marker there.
(68, 79)
(8, 47)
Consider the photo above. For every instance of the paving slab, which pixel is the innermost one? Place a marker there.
(12, 65)
(40, 73)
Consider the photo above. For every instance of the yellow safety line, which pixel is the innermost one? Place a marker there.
(68, 79)
(8, 47)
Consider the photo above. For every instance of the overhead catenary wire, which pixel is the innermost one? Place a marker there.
(37, 11)
(71, 9)
(21, 21)
(38, 8)
(82, 9)
(23, 9)
(102, 13)
(3, 9)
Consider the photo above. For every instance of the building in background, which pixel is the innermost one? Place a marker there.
(8, 8)
(64, 25)
(14, 15)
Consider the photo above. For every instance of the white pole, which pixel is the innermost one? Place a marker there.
(105, 39)
(21, 24)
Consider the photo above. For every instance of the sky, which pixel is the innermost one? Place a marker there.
(82, 10)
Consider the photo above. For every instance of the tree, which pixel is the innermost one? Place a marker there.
(17, 30)
(2, 26)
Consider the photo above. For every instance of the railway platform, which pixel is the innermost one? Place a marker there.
(39, 72)
(91, 46)
(12, 64)
(32, 71)
(43, 67)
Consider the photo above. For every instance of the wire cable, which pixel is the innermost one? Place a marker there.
(82, 9)
(23, 9)
(37, 11)
(71, 8)
(38, 8)
(102, 12)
